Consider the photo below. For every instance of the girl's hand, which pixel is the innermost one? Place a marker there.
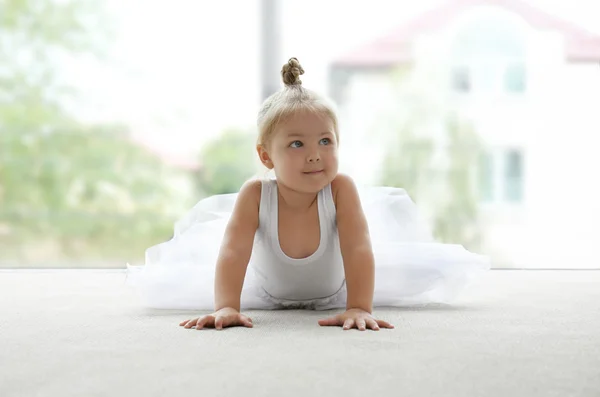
(226, 317)
(355, 318)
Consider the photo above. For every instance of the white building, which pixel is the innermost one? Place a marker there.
(530, 82)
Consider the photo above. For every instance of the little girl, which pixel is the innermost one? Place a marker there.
(308, 239)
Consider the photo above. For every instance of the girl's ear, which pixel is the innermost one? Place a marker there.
(264, 156)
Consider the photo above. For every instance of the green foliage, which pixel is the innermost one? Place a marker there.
(83, 186)
(458, 214)
(70, 193)
(226, 163)
(407, 164)
(433, 153)
(42, 26)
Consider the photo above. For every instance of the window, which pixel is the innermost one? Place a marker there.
(513, 176)
(514, 78)
(491, 49)
(501, 176)
(461, 80)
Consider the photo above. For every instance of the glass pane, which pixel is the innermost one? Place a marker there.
(461, 80)
(513, 174)
(515, 79)
(489, 34)
(111, 130)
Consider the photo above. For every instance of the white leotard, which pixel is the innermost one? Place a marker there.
(320, 275)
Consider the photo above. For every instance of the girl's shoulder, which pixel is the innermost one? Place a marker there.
(342, 185)
(251, 191)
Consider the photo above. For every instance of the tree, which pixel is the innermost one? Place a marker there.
(226, 163)
(69, 192)
(433, 153)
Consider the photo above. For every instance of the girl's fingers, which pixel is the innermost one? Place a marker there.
(373, 324)
(246, 321)
(191, 323)
(360, 324)
(202, 322)
(384, 324)
(220, 322)
(349, 323)
(331, 321)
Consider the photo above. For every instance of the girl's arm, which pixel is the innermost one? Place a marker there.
(236, 247)
(355, 243)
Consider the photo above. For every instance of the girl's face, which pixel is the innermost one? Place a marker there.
(303, 151)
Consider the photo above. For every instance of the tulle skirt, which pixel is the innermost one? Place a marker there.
(410, 267)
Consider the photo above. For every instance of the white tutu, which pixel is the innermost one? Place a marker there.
(410, 267)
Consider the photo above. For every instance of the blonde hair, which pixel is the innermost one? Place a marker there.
(291, 99)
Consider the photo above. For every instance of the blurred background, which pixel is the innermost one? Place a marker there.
(117, 116)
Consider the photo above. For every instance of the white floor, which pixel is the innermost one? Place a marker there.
(517, 333)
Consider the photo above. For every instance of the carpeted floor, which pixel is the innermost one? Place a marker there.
(516, 333)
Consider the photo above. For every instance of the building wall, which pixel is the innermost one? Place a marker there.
(554, 124)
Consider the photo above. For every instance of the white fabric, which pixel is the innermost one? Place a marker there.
(411, 268)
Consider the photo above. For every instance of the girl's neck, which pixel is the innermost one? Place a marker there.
(294, 199)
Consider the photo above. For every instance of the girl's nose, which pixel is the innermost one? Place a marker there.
(313, 158)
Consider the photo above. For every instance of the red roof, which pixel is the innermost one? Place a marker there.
(396, 48)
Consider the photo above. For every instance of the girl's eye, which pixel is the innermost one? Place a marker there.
(296, 144)
(325, 141)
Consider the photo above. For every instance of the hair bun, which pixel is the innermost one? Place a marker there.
(291, 72)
